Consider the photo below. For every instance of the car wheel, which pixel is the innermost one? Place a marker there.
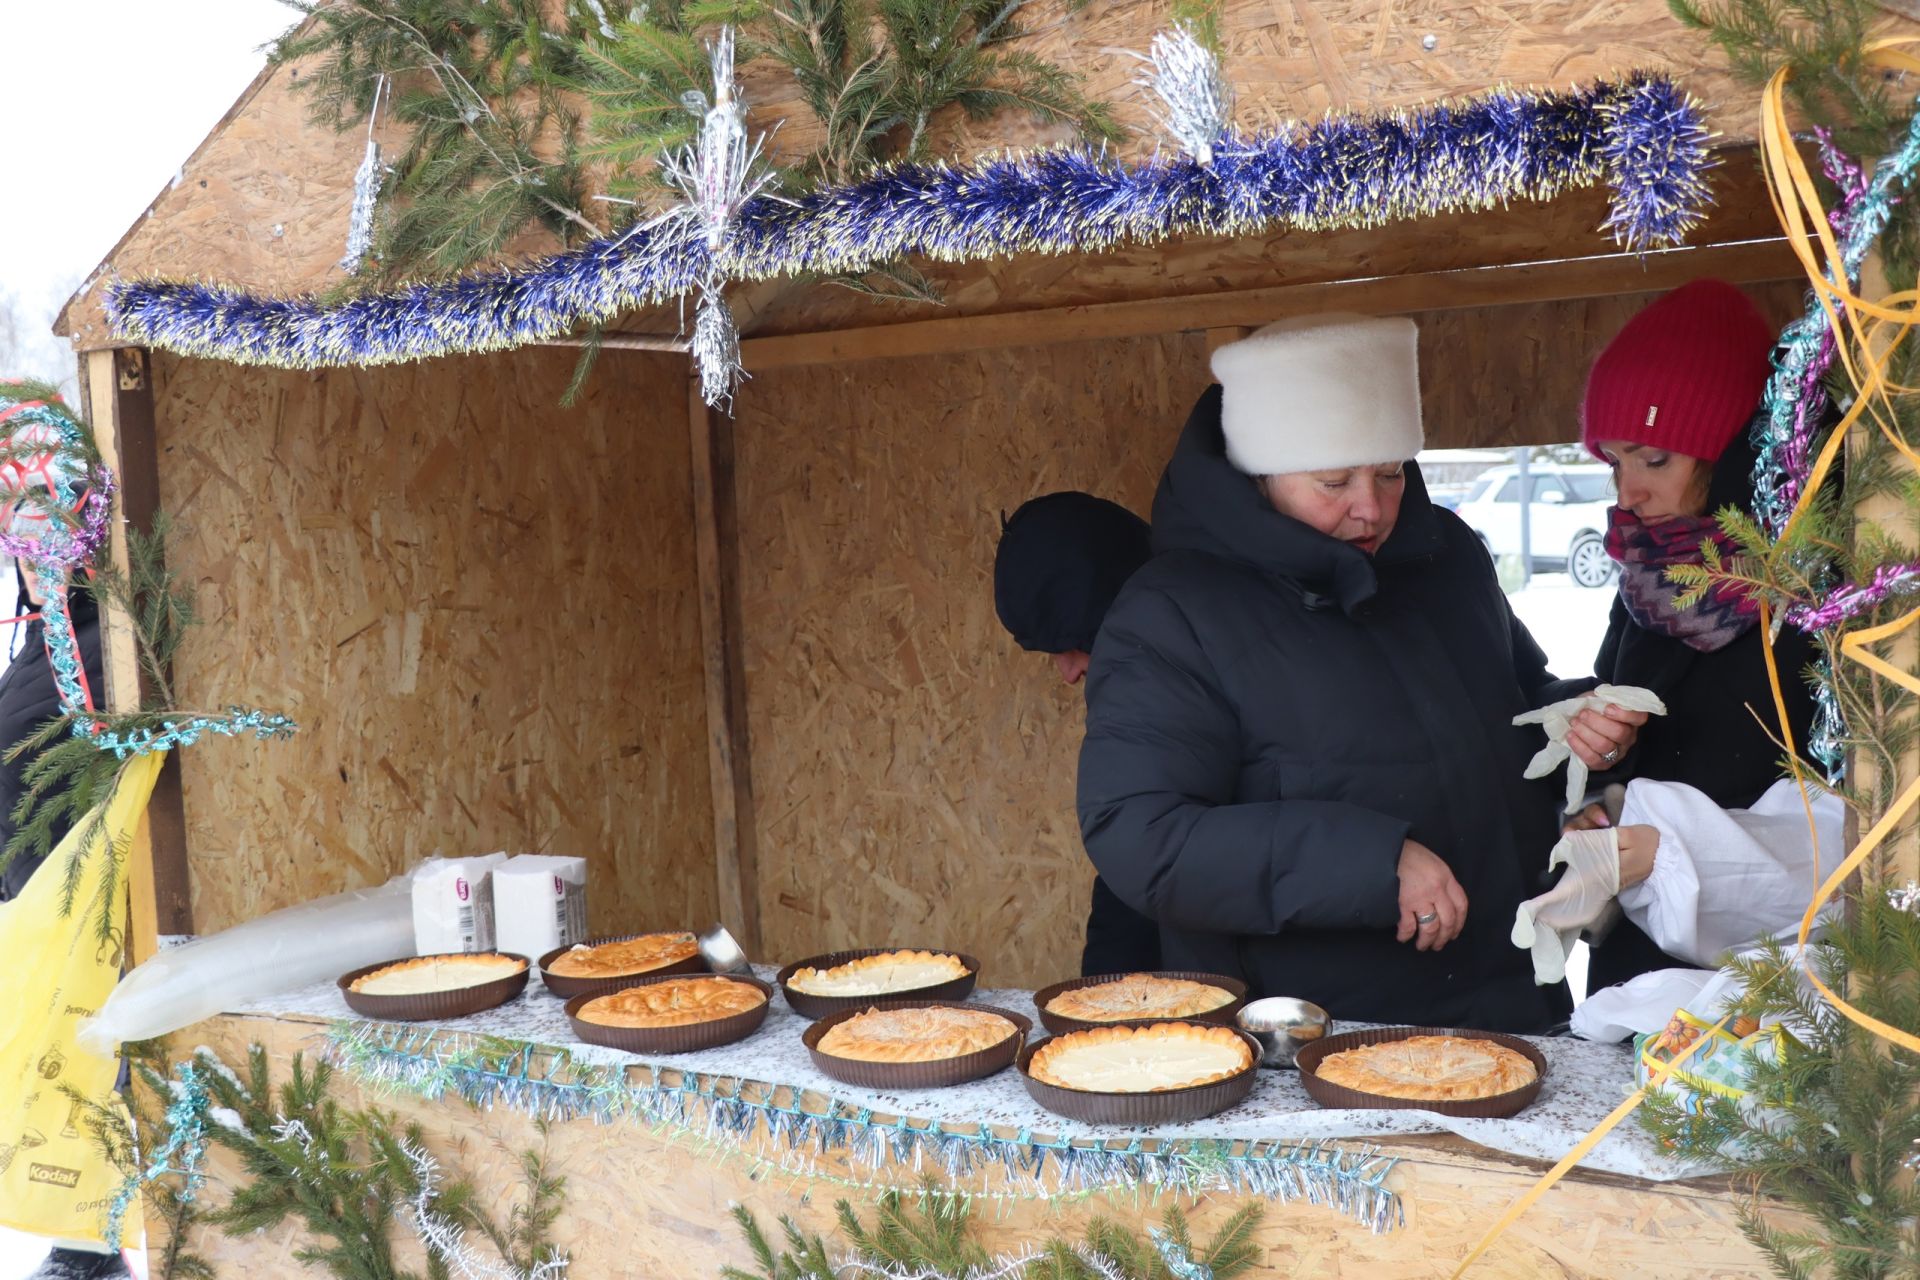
(1588, 563)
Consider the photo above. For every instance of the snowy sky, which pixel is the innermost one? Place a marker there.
(97, 118)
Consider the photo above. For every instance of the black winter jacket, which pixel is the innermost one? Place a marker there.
(28, 699)
(1271, 712)
(1708, 739)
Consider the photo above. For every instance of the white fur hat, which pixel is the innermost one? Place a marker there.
(1320, 393)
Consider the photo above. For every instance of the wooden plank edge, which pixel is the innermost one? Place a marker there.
(716, 556)
(1741, 262)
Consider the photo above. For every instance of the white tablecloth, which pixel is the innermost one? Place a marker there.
(1584, 1082)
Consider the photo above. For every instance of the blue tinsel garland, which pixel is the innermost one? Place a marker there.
(1642, 135)
(186, 1143)
(546, 1084)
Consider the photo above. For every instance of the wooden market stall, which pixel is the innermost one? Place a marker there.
(749, 667)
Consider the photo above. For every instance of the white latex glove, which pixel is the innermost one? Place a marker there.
(1549, 923)
(1557, 718)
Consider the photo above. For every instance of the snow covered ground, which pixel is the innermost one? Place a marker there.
(1567, 621)
(20, 1254)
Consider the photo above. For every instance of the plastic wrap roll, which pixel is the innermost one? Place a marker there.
(278, 952)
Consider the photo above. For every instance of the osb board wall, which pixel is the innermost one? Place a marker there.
(913, 770)
(264, 200)
(639, 1205)
(478, 606)
(1514, 374)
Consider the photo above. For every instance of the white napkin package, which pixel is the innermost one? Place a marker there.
(540, 903)
(453, 904)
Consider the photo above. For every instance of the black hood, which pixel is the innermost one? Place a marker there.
(1206, 504)
(1732, 482)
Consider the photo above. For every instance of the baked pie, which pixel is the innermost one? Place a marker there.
(880, 975)
(426, 975)
(1145, 1059)
(643, 954)
(1137, 996)
(676, 1002)
(915, 1035)
(1430, 1069)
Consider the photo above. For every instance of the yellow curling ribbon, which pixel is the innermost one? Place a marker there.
(1796, 202)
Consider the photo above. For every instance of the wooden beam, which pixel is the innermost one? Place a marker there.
(1743, 262)
(1882, 779)
(624, 342)
(120, 397)
(729, 761)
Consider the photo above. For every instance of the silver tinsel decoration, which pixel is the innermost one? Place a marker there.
(1004, 1266)
(716, 348)
(448, 1242)
(1351, 1181)
(1196, 101)
(366, 193)
(716, 175)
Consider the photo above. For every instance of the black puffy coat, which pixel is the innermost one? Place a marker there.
(1271, 713)
(1709, 738)
(28, 699)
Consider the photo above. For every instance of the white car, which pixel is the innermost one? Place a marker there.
(1568, 518)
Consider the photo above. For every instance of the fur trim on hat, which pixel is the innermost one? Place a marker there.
(1321, 393)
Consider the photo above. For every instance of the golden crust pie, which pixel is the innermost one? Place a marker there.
(880, 975)
(643, 954)
(677, 1002)
(915, 1035)
(1430, 1069)
(1146, 1059)
(426, 975)
(1139, 995)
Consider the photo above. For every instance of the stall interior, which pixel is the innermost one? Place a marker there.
(482, 608)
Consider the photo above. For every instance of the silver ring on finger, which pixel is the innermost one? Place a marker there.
(1612, 755)
(1432, 917)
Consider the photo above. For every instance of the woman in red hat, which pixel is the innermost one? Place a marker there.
(1669, 406)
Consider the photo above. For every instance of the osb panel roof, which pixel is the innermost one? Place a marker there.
(263, 201)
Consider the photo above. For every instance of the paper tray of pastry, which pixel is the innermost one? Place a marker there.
(1142, 1075)
(427, 988)
(678, 1013)
(916, 1044)
(1109, 999)
(851, 980)
(608, 964)
(1480, 1075)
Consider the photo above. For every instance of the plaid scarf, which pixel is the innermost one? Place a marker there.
(1645, 551)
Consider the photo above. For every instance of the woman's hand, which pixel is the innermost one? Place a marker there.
(1591, 818)
(1427, 888)
(1639, 847)
(1601, 737)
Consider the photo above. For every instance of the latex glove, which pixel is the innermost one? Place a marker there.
(1557, 718)
(1549, 923)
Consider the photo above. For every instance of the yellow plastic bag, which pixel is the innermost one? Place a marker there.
(53, 1181)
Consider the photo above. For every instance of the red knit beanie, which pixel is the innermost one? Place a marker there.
(1685, 374)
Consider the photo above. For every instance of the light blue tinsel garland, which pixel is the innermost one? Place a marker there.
(186, 1144)
(547, 1084)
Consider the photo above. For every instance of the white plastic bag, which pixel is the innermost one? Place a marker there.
(1726, 880)
(278, 952)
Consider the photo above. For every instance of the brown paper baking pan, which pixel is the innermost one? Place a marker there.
(917, 1075)
(1144, 1110)
(686, 1039)
(1060, 1025)
(434, 1005)
(567, 988)
(1340, 1098)
(822, 1006)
